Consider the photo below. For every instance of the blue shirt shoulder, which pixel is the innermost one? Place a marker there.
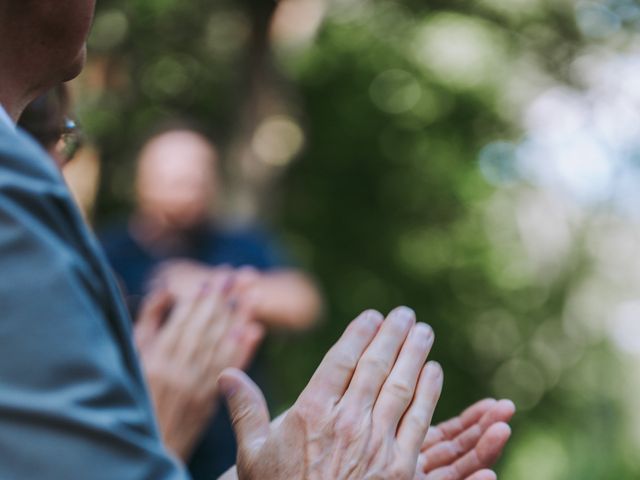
(72, 400)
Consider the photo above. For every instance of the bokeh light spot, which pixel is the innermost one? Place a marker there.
(277, 140)
(110, 29)
(498, 163)
(395, 91)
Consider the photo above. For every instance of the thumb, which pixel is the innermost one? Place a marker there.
(247, 407)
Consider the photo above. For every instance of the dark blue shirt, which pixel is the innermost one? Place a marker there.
(134, 264)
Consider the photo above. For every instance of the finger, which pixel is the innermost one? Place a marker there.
(454, 426)
(177, 323)
(483, 475)
(247, 408)
(492, 443)
(485, 454)
(151, 316)
(378, 359)
(398, 390)
(208, 356)
(250, 340)
(189, 330)
(502, 411)
(416, 421)
(447, 452)
(212, 318)
(246, 277)
(332, 377)
(236, 349)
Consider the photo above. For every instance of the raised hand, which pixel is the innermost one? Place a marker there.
(463, 447)
(364, 414)
(182, 354)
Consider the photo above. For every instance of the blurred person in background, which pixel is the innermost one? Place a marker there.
(177, 188)
(172, 238)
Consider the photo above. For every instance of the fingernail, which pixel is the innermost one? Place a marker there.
(373, 317)
(505, 428)
(435, 369)
(405, 315)
(227, 388)
(508, 403)
(424, 333)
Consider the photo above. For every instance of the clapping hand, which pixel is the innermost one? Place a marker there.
(364, 414)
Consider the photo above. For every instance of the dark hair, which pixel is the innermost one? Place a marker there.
(44, 118)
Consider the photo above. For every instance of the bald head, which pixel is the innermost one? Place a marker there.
(176, 179)
(42, 43)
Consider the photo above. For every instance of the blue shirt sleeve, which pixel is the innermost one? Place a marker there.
(252, 247)
(73, 404)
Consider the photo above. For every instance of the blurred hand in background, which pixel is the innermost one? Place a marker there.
(184, 343)
(281, 299)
